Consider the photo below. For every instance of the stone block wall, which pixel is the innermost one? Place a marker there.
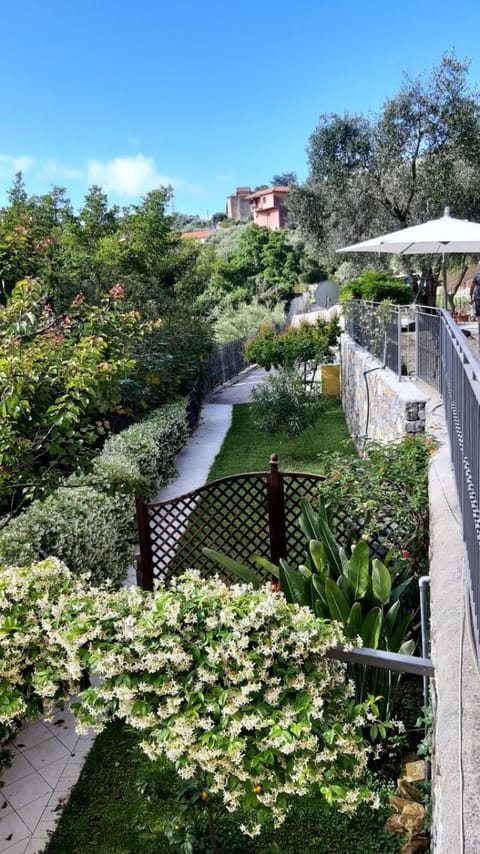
(376, 404)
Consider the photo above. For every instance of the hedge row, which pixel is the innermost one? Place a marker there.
(89, 523)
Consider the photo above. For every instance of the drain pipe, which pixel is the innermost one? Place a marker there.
(365, 374)
(423, 583)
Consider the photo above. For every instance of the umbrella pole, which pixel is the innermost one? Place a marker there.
(444, 276)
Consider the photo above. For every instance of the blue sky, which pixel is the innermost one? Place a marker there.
(203, 96)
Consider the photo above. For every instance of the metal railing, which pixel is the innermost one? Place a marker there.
(224, 363)
(386, 331)
(438, 353)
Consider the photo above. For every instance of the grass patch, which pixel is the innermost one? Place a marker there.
(108, 814)
(246, 448)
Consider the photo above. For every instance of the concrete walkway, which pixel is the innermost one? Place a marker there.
(47, 758)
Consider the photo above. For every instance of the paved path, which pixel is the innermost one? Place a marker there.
(48, 757)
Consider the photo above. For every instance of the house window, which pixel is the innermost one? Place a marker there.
(264, 200)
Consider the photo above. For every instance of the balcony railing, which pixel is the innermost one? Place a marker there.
(425, 343)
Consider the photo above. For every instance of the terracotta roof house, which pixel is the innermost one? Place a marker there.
(197, 235)
(268, 207)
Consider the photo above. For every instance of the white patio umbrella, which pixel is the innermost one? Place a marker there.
(445, 236)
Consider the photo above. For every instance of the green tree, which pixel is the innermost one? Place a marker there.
(381, 173)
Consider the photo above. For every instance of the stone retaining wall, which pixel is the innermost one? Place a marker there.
(376, 404)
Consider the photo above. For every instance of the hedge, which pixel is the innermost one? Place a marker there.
(88, 523)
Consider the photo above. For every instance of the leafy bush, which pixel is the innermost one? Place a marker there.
(90, 523)
(230, 684)
(141, 458)
(386, 492)
(33, 668)
(304, 347)
(245, 319)
(58, 373)
(89, 530)
(377, 287)
(283, 403)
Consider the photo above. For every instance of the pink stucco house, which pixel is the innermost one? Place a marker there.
(268, 207)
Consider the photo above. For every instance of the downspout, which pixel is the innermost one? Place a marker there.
(365, 374)
(423, 583)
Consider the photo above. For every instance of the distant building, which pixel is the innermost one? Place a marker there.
(238, 204)
(268, 207)
(197, 235)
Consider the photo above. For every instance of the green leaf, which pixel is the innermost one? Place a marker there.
(356, 570)
(381, 582)
(407, 647)
(317, 552)
(391, 618)
(355, 620)
(266, 564)
(396, 638)
(234, 566)
(370, 631)
(292, 584)
(338, 604)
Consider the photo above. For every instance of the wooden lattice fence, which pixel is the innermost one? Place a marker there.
(243, 515)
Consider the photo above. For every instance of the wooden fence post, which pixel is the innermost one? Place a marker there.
(145, 568)
(276, 512)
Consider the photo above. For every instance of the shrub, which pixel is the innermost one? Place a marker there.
(89, 530)
(233, 686)
(89, 524)
(377, 287)
(303, 347)
(245, 319)
(141, 458)
(283, 403)
(386, 492)
(33, 669)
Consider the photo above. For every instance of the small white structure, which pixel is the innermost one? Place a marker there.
(325, 293)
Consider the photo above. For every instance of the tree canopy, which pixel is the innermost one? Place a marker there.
(377, 173)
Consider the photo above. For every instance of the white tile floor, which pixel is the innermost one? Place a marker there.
(46, 762)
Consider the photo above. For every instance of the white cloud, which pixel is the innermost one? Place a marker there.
(127, 176)
(52, 169)
(9, 164)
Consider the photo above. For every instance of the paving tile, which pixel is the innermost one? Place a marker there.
(31, 735)
(55, 805)
(12, 831)
(45, 828)
(35, 846)
(26, 790)
(32, 813)
(46, 753)
(18, 848)
(5, 807)
(53, 771)
(19, 768)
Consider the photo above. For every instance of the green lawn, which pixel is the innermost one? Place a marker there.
(247, 449)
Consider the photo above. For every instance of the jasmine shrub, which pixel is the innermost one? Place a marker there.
(229, 683)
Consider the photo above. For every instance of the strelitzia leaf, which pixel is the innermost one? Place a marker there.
(381, 582)
(292, 584)
(355, 620)
(240, 569)
(371, 626)
(338, 604)
(356, 570)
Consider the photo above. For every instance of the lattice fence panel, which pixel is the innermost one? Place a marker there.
(230, 515)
